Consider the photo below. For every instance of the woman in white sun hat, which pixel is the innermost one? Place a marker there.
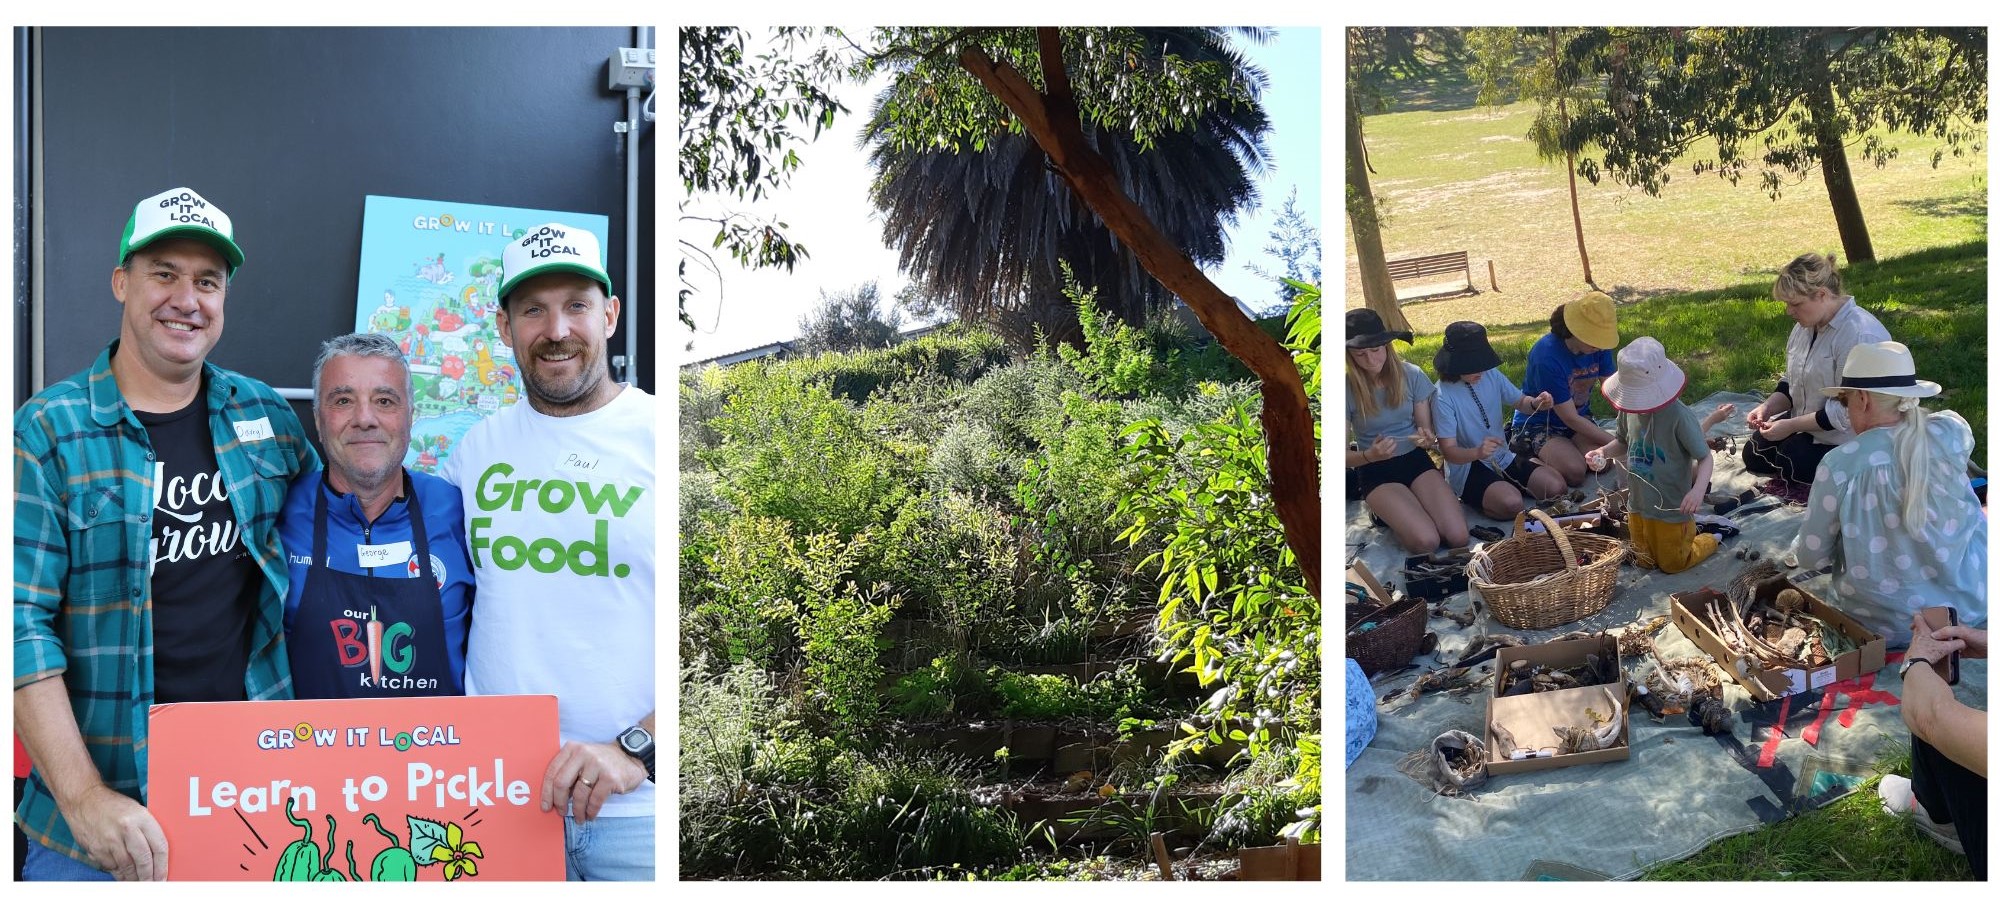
(1891, 511)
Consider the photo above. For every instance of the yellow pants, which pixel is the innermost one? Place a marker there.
(1670, 547)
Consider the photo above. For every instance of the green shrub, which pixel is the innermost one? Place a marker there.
(841, 633)
(1045, 697)
(748, 607)
(1038, 697)
(953, 559)
(1116, 359)
(703, 394)
(906, 815)
(968, 459)
(958, 354)
(950, 684)
(793, 451)
(860, 817)
(1055, 641)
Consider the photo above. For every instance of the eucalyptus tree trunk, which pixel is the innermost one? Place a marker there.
(1051, 117)
(1377, 290)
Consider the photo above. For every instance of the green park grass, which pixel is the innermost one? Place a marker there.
(1850, 840)
(1692, 267)
(1733, 338)
(1450, 175)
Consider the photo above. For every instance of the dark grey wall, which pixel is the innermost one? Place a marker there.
(287, 130)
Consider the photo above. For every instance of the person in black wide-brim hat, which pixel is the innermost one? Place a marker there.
(1473, 398)
(1389, 417)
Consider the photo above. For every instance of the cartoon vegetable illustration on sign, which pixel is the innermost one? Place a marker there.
(327, 872)
(394, 863)
(300, 861)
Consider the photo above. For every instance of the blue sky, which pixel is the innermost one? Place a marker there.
(827, 209)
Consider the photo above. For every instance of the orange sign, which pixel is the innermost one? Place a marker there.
(412, 789)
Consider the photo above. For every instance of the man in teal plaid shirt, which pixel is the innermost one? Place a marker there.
(147, 568)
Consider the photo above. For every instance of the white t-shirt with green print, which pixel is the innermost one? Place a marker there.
(560, 522)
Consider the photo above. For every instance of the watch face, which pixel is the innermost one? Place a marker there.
(635, 740)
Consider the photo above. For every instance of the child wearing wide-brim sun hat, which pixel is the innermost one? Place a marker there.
(1663, 447)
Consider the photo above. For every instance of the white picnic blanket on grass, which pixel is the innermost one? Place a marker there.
(1677, 793)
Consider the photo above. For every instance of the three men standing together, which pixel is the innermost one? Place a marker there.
(177, 542)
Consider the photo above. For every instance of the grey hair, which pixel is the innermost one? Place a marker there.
(1805, 273)
(362, 344)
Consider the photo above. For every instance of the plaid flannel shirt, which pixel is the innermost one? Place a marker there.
(83, 505)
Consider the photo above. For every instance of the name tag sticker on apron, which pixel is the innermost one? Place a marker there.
(253, 430)
(382, 556)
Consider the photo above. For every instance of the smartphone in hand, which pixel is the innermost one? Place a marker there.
(1937, 618)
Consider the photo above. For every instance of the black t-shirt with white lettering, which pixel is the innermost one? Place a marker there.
(204, 581)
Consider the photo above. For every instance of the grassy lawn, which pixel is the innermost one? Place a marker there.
(1733, 338)
(1455, 176)
(1451, 176)
(1851, 840)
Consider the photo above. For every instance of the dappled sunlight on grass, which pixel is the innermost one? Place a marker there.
(1933, 301)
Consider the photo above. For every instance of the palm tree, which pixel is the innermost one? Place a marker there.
(981, 233)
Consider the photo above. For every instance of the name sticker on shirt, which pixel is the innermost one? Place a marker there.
(577, 462)
(253, 430)
(382, 556)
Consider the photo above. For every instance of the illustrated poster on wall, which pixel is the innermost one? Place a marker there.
(443, 788)
(430, 279)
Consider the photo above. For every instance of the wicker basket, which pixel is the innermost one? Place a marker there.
(1397, 637)
(1533, 581)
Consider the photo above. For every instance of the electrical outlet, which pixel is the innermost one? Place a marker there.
(632, 67)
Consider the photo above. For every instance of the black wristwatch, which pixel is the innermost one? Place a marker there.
(1907, 663)
(638, 743)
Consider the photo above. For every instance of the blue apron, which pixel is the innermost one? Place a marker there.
(359, 637)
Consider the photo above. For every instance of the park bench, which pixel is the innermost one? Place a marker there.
(1453, 263)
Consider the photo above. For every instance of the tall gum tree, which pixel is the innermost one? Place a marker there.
(1784, 101)
(1043, 82)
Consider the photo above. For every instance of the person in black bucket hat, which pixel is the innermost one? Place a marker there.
(1389, 418)
(1473, 398)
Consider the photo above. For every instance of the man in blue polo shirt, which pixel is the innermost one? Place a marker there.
(381, 589)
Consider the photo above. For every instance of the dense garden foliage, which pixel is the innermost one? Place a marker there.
(952, 611)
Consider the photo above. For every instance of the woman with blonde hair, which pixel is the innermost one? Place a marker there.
(1389, 416)
(1798, 424)
(1892, 511)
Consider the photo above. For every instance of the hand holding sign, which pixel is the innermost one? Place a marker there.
(120, 835)
(583, 775)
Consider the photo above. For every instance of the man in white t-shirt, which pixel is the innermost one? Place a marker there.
(559, 505)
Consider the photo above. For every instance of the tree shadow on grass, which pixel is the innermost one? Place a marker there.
(1965, 204)
(1442, 89)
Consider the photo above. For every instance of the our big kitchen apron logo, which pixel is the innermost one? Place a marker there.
(591, 557)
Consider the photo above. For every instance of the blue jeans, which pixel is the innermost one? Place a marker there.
(609, 849)
(45, 864)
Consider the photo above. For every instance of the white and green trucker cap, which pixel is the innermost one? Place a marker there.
(551, 248)
(180, 212)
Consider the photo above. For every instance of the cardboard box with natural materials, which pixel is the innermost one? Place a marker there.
(1533, 717)
(1766, 684)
